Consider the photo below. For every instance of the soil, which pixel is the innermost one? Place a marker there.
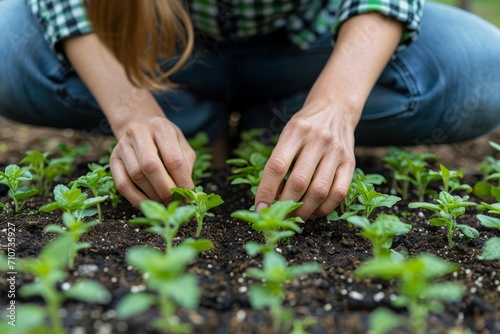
(337, 302)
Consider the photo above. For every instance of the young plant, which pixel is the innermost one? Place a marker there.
(448, 209)
(95, 181)
(172, 287)
(450, 180)
(349, 207)
(248, 171)
(272, 222)
(74, 230)
(73, 152)
(49, 271)
(270, 292)
(252, 142)
(381, 231)
(417, 289)
(73, 201)
(17, 180)
(370, 199)
(490, 168)
(203, 161)
(46, 170)
(491, 249)
(409, 168)
(166, 221)
(201, 202)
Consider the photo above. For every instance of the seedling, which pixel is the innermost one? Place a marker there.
(417, 289)
(171, 285)
(166, 221)
(448, 209)
(270, 292)
(349, 207)
(491, 249)
(75, 229)
(73, 201)
(46, 170)
(203, 161)
(381, 231)
(371, 199)
(272, 222)
(16, 179)
(248, 171)
(49, 270)
(252, 143)
(490, 185)
(201, 202)
(409, 168)
(73, 152)
(450, 180)
(95, 181)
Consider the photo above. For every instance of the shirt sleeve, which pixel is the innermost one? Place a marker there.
(407, 11)
(60, 19)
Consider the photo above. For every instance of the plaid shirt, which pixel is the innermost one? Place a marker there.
(304, 20)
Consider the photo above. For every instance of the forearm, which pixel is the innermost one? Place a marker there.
(106, 79)
(364, 47)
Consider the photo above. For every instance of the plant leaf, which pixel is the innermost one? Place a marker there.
(89, 291)
(468, 231)
(134, 303)
(491, 250)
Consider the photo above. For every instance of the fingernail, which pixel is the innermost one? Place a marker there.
(261, 206)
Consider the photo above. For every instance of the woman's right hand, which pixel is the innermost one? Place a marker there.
(152, 155)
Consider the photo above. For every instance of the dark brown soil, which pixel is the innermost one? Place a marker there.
(337, 302)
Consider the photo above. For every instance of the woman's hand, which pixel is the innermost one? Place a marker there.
(317, 144)
(151, 157)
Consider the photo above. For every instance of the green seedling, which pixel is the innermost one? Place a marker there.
(252, 143)
(272, 222)
(49, 270)
(17, 180)
(95, 181)
(104, 160)
(75, 229)
(248, 171)
(270, 292)
(172, 287)
(166, 222)
(201, 201)
(370, 199)
(491, 249)
(73, 201)
(409, 168)
(46, 170)
(73, 152)
(203, 162)
(381, 231)
(448, 209)
(490, 185)
(349, 207)
(417, 289)
(450, 180)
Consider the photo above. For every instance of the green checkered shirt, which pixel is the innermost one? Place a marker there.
(304, 20)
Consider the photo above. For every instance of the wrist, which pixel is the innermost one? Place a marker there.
(348, 111)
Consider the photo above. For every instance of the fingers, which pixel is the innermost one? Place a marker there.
(140, 173)
(276, 168)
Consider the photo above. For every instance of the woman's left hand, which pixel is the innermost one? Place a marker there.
(317, 147)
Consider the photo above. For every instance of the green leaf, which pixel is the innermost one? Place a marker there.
(32, 289)
(383, 320)
(438, 221)
(359, 221)
(154, 210)
(253, 248)
(445, 291)
(469, 232)
(260, 297)
(424, 205)
(54, 228)
(33, 316)
(25, 192)
(304, 269)
(488, 221)
(89, 291)
(491, 250)
(184, 290)
(134, 303)
(482, 189)
(199, 245)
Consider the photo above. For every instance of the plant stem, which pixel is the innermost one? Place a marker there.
(451, 228)
(199, 221)
(53, 311)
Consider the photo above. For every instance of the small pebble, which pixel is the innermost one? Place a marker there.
(242, 289)
(65, 286)
(356, 295)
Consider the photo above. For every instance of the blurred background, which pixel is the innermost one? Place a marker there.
(15, 139)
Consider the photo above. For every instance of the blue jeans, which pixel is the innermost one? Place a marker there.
(444, 88)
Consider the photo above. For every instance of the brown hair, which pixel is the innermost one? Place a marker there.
(139, 32)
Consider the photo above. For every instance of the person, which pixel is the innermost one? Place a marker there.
(326, 73)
